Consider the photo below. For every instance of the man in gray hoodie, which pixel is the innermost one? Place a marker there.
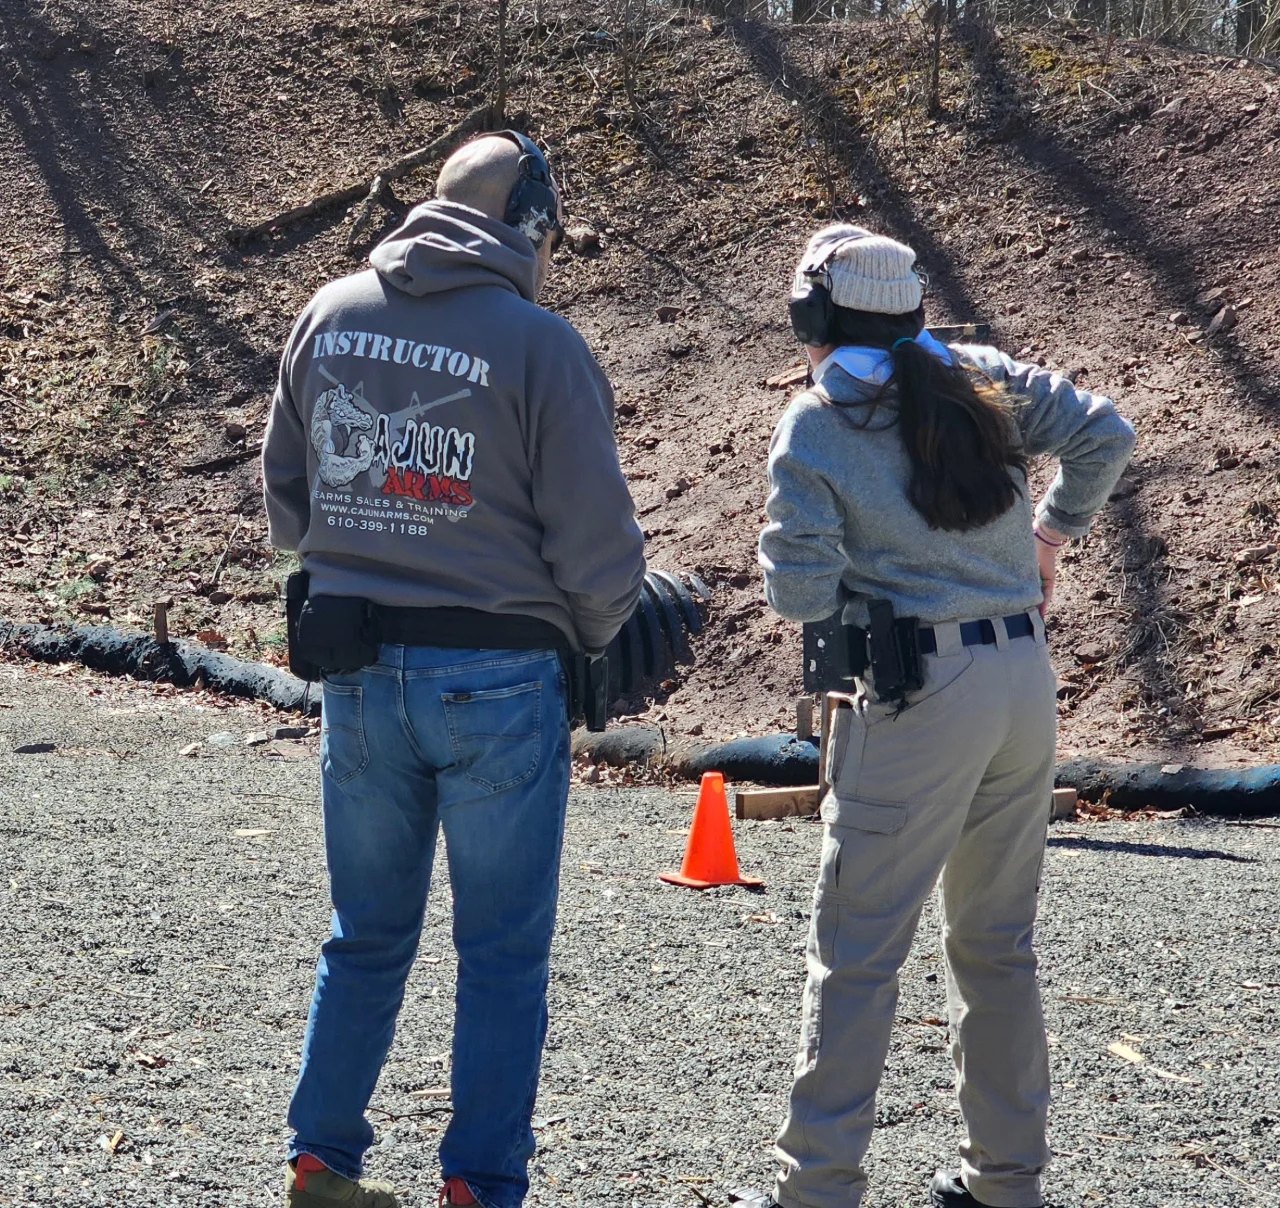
(442, 448)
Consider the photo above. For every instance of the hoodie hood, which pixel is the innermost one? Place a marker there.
(443, 246)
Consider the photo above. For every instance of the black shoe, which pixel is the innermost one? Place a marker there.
(948, 1191)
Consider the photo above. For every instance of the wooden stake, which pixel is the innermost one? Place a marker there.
(161, 616)
(804, 718)
(1064, 804)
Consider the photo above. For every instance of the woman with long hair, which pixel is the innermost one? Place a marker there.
(899, 494)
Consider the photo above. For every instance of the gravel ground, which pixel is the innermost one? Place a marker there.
(154, 987)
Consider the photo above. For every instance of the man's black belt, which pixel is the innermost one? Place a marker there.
(471, 629)
(467, 629)
(979, 633)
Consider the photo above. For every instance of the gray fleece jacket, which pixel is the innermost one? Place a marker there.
(842, 531)
(438, 440)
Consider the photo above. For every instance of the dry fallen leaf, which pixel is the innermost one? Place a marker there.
(1120, 1049)
(113, 1143)
(1171, 1077)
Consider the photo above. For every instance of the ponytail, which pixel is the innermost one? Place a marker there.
(957, 430)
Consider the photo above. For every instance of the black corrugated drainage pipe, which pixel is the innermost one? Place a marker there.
(182, 663)
(656, 636)
(784, 760)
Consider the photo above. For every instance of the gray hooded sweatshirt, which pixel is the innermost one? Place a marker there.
(438, 440)
(842, 531)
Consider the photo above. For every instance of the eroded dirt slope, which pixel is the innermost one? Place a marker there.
(1074, 194)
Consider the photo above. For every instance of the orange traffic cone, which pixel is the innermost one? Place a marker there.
(709, 858)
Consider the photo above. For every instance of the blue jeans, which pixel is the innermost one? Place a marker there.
(475, 741)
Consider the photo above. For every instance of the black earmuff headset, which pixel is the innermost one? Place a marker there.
(813, 313)
(534, 205)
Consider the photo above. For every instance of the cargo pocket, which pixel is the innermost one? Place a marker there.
(496, 735)
(343, 752)
(863, 873)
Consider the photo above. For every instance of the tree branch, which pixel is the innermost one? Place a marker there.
(476, 120)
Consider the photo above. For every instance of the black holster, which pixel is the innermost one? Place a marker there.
(589, 689)
(890, 646)
(339, 634)
(897, 664)
(296, 587)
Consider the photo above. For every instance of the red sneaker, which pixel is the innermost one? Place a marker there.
(456, 1191)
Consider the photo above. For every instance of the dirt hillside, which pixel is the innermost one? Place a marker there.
(1111, 209)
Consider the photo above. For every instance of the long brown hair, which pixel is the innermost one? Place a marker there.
(956, 426)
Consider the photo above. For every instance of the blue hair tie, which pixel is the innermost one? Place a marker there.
(904, 340)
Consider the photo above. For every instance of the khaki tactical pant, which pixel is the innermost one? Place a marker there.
(958, 784)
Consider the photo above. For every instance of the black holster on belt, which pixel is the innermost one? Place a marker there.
(296, 587)
(589, 691)
(890, 646)
(341, 634)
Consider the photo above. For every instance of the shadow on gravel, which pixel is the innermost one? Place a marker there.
(846, 145)
(1148, 849)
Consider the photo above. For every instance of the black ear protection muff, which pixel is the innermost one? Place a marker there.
(813, 314)
(533, 208)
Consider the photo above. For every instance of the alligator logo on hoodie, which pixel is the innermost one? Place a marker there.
(337, 421)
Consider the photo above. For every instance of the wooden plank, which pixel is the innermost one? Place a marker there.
(1064, 804)
(788, 377)
(759, 805)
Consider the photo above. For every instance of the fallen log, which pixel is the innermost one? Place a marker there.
(371, 192)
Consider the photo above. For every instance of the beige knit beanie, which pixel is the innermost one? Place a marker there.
(864, 271)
